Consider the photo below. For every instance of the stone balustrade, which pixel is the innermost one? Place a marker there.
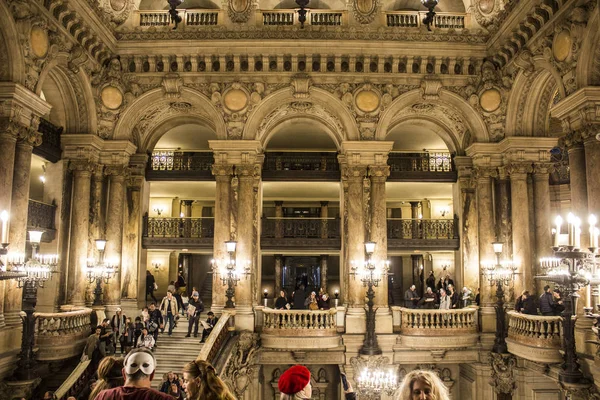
(62, 335)
(438, 329)
(156, 18)
(535, 337)
(300, 322)
(217, 338)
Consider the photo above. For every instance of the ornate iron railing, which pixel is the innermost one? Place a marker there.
(317, 228)
(421, 162)
(398, 228)
(159, 227)
(168, 165)
(300, 322)
(41, 216)
(301, 166)
(50, 147)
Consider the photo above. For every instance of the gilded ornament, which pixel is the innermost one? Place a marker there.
(367, 101)
(39, 42)
(490, 100)
(118, 5)
(486, 6)
(235, 100)
(112, 97)
(561, 47)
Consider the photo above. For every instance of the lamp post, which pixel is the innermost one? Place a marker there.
(571, 269)
(370, 277)
(230, 272)
(99, 271)
(430, 5)
(499, 273)
(34, 273)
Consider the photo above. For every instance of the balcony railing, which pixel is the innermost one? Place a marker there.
(41, 216)
(289, 17)
(178, 232)
(300, 322)
(301, 166)
(300, 232)
(422, 233)
(535, 337)
(50, 147)
(425, 328)
(414, 19)
(426, 166)
(168, 165)
(62, 335)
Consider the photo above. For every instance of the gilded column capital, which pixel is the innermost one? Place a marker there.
(82, 167)
(353, 172)
(519, 170)
(481, 173)
(222, 170)
(379, 173)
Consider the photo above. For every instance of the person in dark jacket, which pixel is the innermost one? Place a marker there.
(528, 306)
(519, 302)
(454, 299)
(547, 302)
(137, 332)
(150, 286)
(430, 282)
(211, 322)
(411, 297)
(155, 321)
(194, 316)
(299, 297)
(171, 380)
(280, 303)
(558, 303)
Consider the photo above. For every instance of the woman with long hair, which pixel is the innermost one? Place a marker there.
(423, 385)
(110, 375)
(201, 382)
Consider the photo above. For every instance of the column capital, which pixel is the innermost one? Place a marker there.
(542, 170)
(573, 139)
(116, 171)
(248, 171)
(519, 170)
(29, 136)
(353, 172)
(98, 172)
(364, 152)
(278, 203)
(10, 128)
(82, 167)
(222, 170)
(135, 182)
(379, 173)
(481, 173)
(187, 203)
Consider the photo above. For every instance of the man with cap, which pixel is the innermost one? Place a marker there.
(195, 308)
(138, 370)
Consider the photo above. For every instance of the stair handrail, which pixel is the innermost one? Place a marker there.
(85, 369)
(216, 339)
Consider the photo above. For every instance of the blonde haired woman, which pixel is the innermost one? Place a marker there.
(423, 385)
(110, 375)
(201, 382)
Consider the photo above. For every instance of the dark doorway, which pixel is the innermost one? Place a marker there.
(303, 270)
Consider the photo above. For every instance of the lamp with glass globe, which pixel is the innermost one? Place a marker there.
(230, 272)
(100, 271)
(429, 18)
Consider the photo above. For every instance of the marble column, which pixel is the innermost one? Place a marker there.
(520, 227)
(114, 231)
(19, 206)
(80, 217)
(503, 217)
(592, 162)
(8, 141)
(96, 229)
(186, 209)
(323, 262)
(543, 220)
(279, 220)
(222, 227)
(354, 232)
(278, 268)
(245, 232)
(325, 221)
(414, 214)
(378, 175)
(487, 235)
(578, 175)
(132, 238)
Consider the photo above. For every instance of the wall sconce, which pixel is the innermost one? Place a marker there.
(156, 264)
(159, 210)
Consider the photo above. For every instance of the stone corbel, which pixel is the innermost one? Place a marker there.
(503, 377)
(172, 84)
(430, 88)
(301, 86)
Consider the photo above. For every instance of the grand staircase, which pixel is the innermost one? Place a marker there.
(173, 352)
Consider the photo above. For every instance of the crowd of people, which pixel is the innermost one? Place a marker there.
(302, 300)
(441, 295)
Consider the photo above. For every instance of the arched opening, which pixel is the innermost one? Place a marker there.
(300, 134)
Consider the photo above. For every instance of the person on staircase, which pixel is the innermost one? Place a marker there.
(155, 321)
(180, 291)
(171, 379)
(146, 340)
(195, 308)
(150, 286)
(169, 308)
(118, 323)
(211, 321)
(139, 367)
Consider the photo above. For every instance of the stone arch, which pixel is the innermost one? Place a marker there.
(141, 121)
(457, 122)
(76, 94)
(432, 124)
(588, 66)
(148, 143)
(530, 100)
(320, 105)
(11, 54)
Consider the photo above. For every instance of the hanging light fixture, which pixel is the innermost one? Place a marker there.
(173, 4)
(302, 11)
(430, 5)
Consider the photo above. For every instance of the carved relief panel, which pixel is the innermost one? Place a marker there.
(365, 11)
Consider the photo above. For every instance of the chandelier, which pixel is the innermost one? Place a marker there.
(100, 271)
(230, 272)
(38, 269)
(377, 381)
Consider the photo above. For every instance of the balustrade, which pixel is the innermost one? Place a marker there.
(421, 162)
(285, 227)
(217, 338)
(50, 147)
(300, 323)
(418, 322)
(327, 18)
(178, 227)
(62, 335)
(201, 18)
(278, 17)
(418, 228)
(154, 18)
(535, 337)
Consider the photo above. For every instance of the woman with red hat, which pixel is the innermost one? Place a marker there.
(294, 384)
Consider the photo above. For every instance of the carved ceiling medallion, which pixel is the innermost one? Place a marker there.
(486, 6)
(490, 99)
(39, 42)
(235, 100)
(561, 46)
(118, 5)
(240, 10)
(112, 97)
(367, 101)
(365, 10)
